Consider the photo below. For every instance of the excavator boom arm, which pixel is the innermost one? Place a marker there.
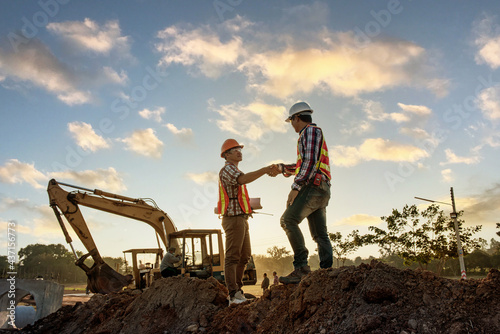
(103, 278)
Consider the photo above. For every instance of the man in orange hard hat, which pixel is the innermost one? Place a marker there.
(234, 207)
(309, 195)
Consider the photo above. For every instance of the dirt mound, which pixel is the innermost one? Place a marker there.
(173, 305)
(373, 298)
(370, 298)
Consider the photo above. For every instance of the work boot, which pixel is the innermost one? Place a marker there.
(295, 276)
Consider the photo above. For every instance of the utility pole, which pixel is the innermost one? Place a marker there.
(454, 216)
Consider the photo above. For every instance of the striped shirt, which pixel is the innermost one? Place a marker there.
(310, 140)
(229, 176)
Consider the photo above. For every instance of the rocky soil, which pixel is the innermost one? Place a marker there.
(370, 298)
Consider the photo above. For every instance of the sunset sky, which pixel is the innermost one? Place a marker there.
(136, 98)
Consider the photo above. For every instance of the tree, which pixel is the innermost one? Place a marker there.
(478, 261)
(498, 232)
(4, 265)
(280, 256)
(277, 253)
(494, 247)
(341, 248)
(116, 263)
(418, 237)
(50, 261)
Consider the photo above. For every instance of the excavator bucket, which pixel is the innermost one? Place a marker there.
(101, 278)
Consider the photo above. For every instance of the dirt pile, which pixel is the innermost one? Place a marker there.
(370, 298)
(173, 305)
(373, 298)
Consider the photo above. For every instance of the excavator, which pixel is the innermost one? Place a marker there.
(201, 250)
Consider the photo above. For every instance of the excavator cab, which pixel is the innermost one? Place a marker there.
(145, 273)
(202, 252)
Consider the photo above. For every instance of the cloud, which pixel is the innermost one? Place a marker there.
(295, 70)
(489, 102)
(415, 109)
(106, 179)
(200, 48)
(385, 150)
(144, 142)
(115, 77)
(90, 36)
(251, 121)
(482, 207)
(45, 224)
(36, 64)
(357, 127)
(285, 64)
(416, 133)
(487, 40)
(15, 171)
(375, 112)
(447, 175)
(375, 149)
(86, 137)
(154, 114)
(20, 228)
(452, 158)
(345, 156)
(7, 203)
(203, 178)
(185, 135)
(360, 220)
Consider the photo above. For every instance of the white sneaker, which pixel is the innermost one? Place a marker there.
(235, 300)
(240, 296)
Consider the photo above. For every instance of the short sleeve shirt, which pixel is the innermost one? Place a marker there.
(229, 177)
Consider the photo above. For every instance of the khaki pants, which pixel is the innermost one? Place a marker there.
(238, 251)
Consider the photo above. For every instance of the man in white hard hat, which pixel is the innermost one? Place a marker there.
(309, 195)
(234, 207)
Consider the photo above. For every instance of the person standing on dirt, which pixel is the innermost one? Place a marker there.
(309, 195)
(167, 267)
(275, 278)
(234, 207)
(265, 283)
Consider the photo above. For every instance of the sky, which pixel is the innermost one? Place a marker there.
(137, 97)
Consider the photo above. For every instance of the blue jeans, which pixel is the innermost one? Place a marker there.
(311, 202)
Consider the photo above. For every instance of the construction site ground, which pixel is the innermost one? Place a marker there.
(369, 298)
(75, 293)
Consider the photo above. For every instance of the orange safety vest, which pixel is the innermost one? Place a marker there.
(224, 199)
(323, 164)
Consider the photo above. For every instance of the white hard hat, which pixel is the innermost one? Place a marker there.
(301, 108)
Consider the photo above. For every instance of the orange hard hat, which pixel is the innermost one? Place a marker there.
(228, 144)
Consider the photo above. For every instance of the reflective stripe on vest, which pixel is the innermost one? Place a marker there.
(323, 163)
(224, 199)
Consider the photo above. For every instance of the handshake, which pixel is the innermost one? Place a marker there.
(274, 169)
